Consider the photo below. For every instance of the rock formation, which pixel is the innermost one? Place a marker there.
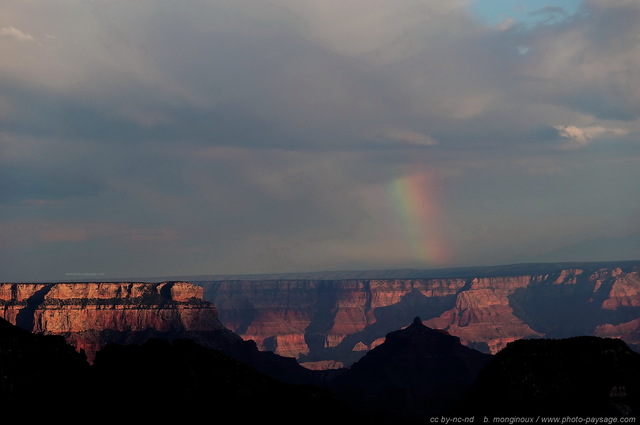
(482, 315)
(333, 323)
(90, 315)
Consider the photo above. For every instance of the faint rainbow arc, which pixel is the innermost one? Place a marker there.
(420, 218)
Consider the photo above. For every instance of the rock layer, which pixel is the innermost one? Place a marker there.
(89, 315)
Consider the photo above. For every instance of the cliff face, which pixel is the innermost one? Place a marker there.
(331, 323)
(89, 315)
(482, 315)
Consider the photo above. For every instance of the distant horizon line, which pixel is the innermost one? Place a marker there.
(345, 274)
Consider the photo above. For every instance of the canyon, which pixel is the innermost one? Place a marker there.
(332, 322)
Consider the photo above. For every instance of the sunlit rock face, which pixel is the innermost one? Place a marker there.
(335, 322)
(89, 315)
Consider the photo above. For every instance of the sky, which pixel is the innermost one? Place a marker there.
(164, 138)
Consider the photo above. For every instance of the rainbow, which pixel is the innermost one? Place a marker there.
(419, 217)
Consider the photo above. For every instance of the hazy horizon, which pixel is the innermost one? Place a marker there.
(158, 138)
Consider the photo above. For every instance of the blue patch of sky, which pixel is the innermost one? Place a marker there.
(525, 12)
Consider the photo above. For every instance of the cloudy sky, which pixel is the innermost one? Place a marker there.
(157, 137)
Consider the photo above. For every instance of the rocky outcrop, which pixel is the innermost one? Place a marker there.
(482, 315)
(627, 331)
(333, 323)
(90, 315)
(416, 373)
(625, 289)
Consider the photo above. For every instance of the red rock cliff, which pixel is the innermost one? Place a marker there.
(89, 315)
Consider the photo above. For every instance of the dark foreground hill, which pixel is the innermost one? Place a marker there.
(182, 380)
(416, 374)
(38, 371)
(575, 377)
(44, 378)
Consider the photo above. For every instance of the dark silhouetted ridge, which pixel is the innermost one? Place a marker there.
(573, 376)
(415, 373)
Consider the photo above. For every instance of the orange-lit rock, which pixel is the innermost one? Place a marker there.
(322, 365)
(482, 314)
(625, 291)
(83, 312)
(627, 331)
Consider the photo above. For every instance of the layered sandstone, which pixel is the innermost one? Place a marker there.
(335, 322)
(482, 315)
(296, 317)
(89, 315)
(624, 292)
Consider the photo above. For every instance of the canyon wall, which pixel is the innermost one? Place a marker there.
(332, 323)
(89, 315)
